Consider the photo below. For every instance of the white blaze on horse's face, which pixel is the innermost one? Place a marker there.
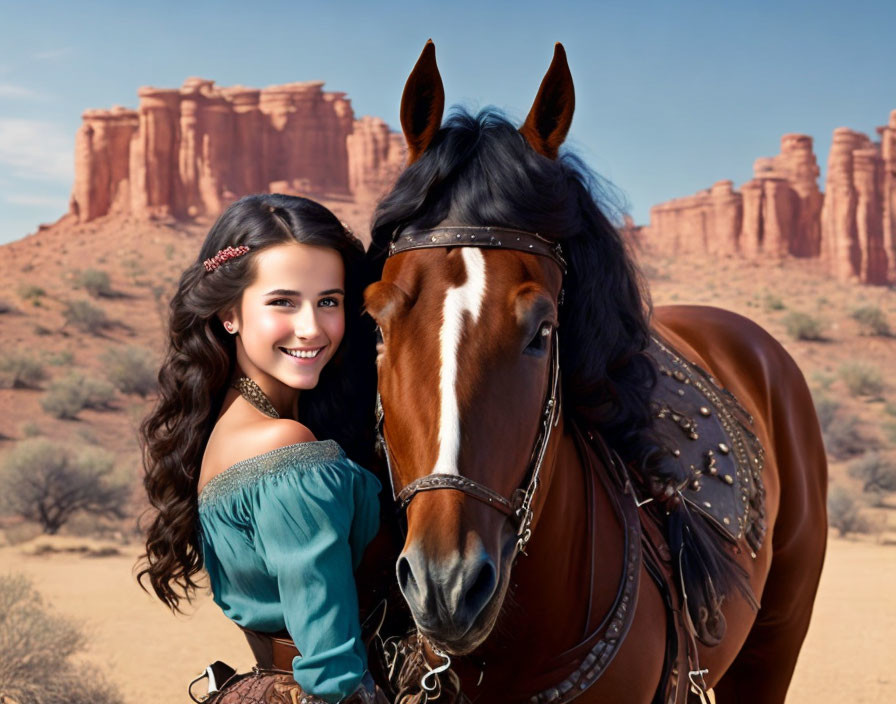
(466, 298)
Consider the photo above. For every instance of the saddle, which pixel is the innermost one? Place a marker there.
(707, 431)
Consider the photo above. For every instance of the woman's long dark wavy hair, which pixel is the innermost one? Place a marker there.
(479, 170)
(201, 361)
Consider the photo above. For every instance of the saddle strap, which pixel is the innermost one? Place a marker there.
(674, 685)
(592, 656)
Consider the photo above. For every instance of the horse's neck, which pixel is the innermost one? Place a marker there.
(548, 611)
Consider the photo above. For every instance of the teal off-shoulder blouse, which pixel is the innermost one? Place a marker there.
(281, 536)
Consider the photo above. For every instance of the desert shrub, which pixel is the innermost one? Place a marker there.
(95, 281)
(30, 429)
(158, 292)
(45, 482)
(66, 397)
(131, 369)
(85, 316)
(20, 370)
(873, 321)
(802, 326)
(31, 292)
(29, 630)
(861, 379)
(842, 438)
(826, 408)
(823, 380)
(844, 512)
(21, 532)
(890, 431)
(134, 268)
(773, 302)
(6, 307)
(877, 473)
(63, 358)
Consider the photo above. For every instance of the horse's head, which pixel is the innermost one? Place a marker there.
(468, 360)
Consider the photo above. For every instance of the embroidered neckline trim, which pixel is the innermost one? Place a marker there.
(246, 471)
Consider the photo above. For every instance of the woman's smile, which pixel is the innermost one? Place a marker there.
(303, 355)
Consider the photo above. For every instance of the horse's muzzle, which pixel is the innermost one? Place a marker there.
(448, 595)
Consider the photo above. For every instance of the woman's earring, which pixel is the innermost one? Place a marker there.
(229, 328)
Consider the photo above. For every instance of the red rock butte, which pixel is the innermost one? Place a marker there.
(851, 227)
(190, 151)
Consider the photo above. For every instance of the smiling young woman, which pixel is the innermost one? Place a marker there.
(265, 401)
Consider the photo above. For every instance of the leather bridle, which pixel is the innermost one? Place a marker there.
(518, 508)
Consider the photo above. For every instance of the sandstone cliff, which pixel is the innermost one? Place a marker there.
(190, 151)
(781, 212)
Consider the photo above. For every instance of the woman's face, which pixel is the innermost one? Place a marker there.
(291, 319)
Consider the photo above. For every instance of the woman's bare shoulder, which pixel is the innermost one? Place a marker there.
(230, 443)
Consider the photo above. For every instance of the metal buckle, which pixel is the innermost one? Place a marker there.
(434, 673)
(699, 688)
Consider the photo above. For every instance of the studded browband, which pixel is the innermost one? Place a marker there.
(475, 236)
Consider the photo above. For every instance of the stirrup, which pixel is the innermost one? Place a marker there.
(218, 673)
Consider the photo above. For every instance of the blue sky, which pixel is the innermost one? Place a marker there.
(671, 96)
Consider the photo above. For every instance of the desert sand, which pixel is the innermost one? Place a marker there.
(152, 655)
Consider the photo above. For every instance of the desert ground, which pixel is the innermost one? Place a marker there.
(152, 655)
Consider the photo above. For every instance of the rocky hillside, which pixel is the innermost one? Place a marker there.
(850, 228)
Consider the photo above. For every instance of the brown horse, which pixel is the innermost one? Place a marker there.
(546, 563)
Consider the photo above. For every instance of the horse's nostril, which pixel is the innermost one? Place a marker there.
(482, 588)
(405, 575)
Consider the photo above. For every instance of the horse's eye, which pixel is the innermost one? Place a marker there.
(538, 345)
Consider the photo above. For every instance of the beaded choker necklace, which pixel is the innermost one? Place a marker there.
(252, 392)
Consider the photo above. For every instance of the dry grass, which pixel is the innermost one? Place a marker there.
(861, 378)
(29, 630)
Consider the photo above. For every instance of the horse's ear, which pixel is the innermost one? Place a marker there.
(551, 115)
(422, 103)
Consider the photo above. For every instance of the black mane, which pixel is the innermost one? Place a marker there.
(479, 170)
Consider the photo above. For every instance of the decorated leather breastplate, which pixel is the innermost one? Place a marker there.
(708, 431)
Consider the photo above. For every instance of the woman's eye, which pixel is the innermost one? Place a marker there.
(328, 302)
(538, 345)
(280, 302)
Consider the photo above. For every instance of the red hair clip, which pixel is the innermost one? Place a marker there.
(224, 255)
